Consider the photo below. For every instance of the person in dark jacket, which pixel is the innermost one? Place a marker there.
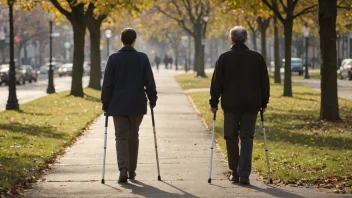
(128, 81)
(166, 61)
(241, 80)
(157, 61)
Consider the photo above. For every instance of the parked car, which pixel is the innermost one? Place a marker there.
(29, 73)
(86, 68)
(4, 75)
(45, 68)
(65, 70)
(345, 70)
(296, 66)
(102, 66)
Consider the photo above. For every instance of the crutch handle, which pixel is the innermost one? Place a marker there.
(106, 119)
(214, 116)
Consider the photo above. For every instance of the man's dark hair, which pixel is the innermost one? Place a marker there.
(128, 35)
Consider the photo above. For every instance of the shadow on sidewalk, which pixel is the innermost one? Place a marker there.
(273, 191)
(142, 189)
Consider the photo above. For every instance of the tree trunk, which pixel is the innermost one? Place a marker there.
(95, 68)
(263, 26)
(254, 39)
(197, 53)
(176, 58)
(79, 31)
(277, 76)
(201, 68)
(288, 44)
(329, 107)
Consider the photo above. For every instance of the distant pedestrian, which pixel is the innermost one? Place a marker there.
(171, 61)
(157, 61)
(166, 61)
(128, 79)
(241, 80)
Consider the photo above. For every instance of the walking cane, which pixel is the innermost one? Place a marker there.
(265, 146)
(106, 133)
(156, 144)
(212, 148)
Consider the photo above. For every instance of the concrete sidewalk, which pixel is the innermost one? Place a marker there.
(184, 156)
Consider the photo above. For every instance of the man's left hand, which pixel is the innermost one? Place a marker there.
(213, 110)
(105, 107)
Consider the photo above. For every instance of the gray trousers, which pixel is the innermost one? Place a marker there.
(240, 124)
(127, 142)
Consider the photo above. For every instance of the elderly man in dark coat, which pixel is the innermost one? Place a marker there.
(128, 81)
(241, 80)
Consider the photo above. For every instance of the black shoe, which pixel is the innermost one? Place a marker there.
(244, 181)
(234, 179)
(123, 176)
(131, 175)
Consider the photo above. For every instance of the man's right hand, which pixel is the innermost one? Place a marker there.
(152, 104)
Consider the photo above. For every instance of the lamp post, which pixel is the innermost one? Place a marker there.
(51, 88)
(12, 102)
(108, 36)
(306, 31)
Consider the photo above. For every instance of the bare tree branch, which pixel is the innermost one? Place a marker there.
(306, 10)
(283, 5)
(67, 14)
(273, 6)
(180, 22)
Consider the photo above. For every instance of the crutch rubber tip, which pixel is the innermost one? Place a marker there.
(103, 181)
(209, 181)
(271, 181)
(159, 178)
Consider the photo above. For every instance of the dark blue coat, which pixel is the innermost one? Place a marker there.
(128, 80)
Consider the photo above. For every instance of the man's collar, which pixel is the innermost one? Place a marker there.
(239, 46)
(127, 48)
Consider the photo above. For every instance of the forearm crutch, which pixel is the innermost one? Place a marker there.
(105, 138)
(212, 148)
(265, 146)
(156, 144)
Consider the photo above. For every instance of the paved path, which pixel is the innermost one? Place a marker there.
(184, 155)
(344, 87)
(29, 92)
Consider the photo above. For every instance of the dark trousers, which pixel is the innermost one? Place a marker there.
(127, 142)
(240, 124)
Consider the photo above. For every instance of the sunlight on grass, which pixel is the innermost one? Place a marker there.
(189, 81)
(301, 147)
(35, 135)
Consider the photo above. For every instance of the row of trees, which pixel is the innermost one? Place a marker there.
(191, 17)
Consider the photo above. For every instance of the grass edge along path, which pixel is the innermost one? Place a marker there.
(33, 137)
(303, 151)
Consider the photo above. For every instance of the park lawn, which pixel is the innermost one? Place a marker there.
(189, 81)
(33, 137)
(302, 149)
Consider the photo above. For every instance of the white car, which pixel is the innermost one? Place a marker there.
(346, 69)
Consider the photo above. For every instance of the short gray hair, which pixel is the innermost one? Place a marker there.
(239, 34)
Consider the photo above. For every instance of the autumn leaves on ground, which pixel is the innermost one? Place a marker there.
(33, 137)
(303, 151)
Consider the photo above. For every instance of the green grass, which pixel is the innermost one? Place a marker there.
(189, 81)
(301, 148)
(32, 137)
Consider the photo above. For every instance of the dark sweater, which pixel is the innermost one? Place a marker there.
(128, 78)
(241, 80)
